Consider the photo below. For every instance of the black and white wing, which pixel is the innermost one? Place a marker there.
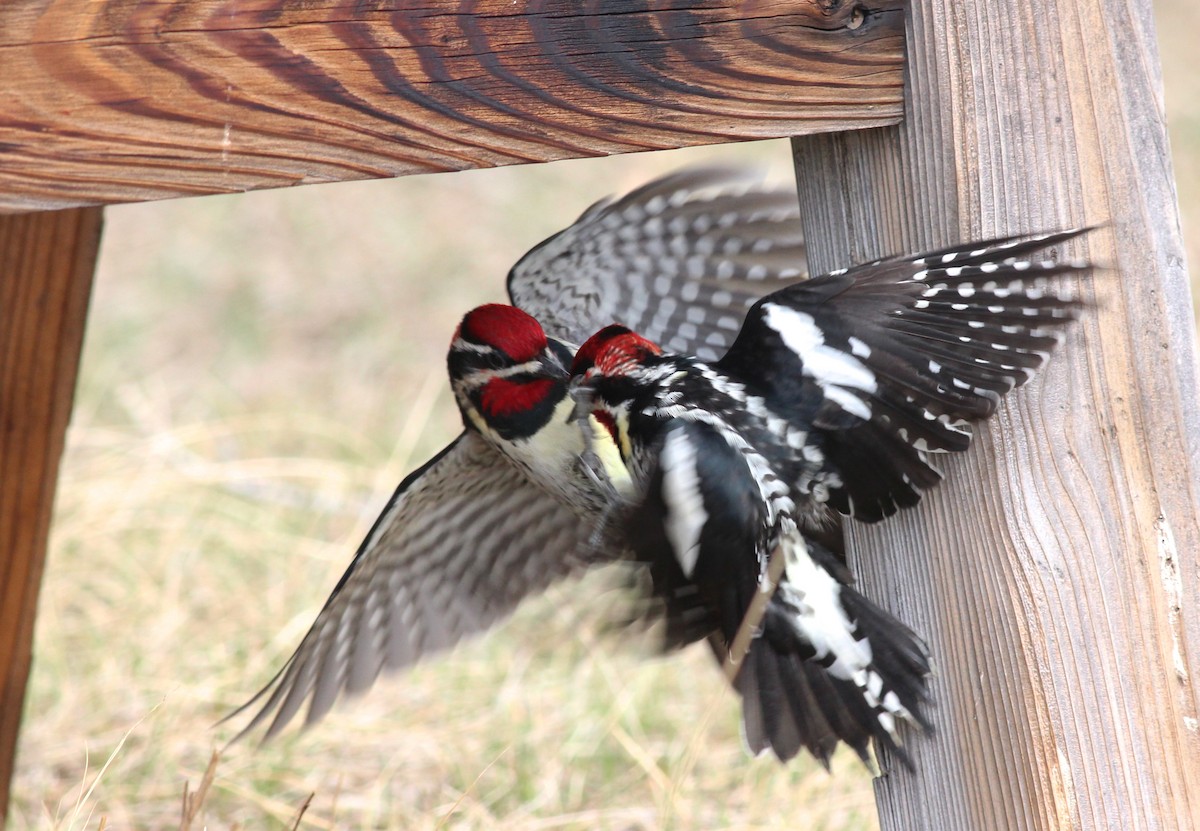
(888, 361)
(680, 260)
(463, 540)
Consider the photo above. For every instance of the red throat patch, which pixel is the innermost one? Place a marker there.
(610, 423)
(510, 330)
(501, 397)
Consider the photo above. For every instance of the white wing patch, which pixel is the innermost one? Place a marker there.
(842, 376)
(685, 503)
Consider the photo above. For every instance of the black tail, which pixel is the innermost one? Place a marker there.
(793, 698)
(793, 701)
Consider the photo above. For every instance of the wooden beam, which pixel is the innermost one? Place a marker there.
(117, 101)
(1056, 572)
(46, 263)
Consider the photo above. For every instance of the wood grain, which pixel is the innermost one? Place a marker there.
(121, 100)
(1056, 570)
(46, 263)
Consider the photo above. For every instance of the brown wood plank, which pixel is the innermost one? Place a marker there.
(117, 100)
(1056, 572)
(46, 263)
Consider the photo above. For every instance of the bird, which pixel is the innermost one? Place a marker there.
(506, 509)
(831, 401)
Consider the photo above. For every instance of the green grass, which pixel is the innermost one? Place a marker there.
(259, 372)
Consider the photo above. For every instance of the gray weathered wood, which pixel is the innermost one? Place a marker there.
(1056, 571)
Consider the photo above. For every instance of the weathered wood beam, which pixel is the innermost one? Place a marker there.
(46, 263)
(123, 100)
(1056, 571)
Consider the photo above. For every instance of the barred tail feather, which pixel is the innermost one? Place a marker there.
(828, 665)
(809, 679)
(782, 710)
(792, 701)
(898, 656)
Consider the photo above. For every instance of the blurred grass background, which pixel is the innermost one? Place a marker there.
(259, 372)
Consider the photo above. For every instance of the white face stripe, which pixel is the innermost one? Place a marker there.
(480, 377)
(461, 344)
(841, 376)
(686, 516)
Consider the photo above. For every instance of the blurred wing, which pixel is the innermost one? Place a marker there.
(462, 541)
(678, 260)
(888, 361)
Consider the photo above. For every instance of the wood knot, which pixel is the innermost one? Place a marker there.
(832, 15)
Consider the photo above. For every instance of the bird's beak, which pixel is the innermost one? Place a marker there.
(551, 367)
(583, 394)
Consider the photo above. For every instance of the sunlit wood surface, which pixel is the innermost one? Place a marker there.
(122, 101)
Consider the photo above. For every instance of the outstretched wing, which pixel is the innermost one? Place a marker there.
(463, 540)
(888, 361)
(679, 260)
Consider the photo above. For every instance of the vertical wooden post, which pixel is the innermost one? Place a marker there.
(1056, 572)
(46, 264)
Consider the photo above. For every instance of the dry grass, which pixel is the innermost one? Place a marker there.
(1178, 22)
(245, 408)
(259, 372)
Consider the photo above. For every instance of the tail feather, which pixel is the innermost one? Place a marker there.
(789, 704)
(793, 699)
(901, 658)
(813, 699)
(767, 718)
(809, 678)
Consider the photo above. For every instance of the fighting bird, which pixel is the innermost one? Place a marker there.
(833, 400)
(507, 508)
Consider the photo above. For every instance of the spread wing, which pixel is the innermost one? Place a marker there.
(463, 540)
(680, 260)
(886, 362)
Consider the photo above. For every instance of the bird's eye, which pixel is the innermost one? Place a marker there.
(495, 360)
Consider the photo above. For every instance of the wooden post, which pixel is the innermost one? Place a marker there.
(46, 263)
(1056, 572)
